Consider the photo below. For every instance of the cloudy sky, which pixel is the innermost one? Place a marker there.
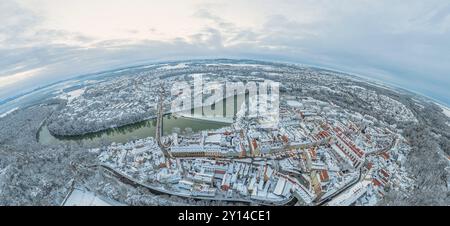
(402, 42)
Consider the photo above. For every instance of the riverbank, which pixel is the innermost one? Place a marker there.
(131, 132)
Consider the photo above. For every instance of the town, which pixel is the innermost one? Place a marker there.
(318, 154)
(317, 137)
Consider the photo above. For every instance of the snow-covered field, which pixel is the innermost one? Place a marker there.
(73, 94)
(266, 67)
(8, 112)
(294, 103)
(84, 198)
(178, 66)
(445, 109)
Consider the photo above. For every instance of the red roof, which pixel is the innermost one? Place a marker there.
(255, 144)
(219, 171)
(385, 155)
(352, 146)
(324, 175)
(376, 182)
(225, 187)
(385, 174)
(313, 153)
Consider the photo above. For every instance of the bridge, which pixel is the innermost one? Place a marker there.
(159, 122)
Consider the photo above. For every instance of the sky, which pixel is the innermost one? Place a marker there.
(401, 42)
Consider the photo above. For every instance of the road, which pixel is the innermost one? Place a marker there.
(159, 123)
(159, 191)
(391, 145)
(340, 191)
(360, 177)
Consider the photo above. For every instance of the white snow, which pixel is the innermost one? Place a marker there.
(266, 67)
(351, 195)
(178, 66)
(3, 171)
(70, 96)
(446, 111)
(357, 87)
(84, 198)
(294, 103)
(8, 112)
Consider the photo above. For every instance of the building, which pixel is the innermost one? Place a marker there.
(203, 190)
(193, 151)
(347, 150)
(185, 184)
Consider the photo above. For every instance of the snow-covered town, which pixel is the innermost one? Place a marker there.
(219, 111)
(279, 135)
(319, 154)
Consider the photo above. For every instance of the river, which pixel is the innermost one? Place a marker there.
(134, 131)
(206, 118)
